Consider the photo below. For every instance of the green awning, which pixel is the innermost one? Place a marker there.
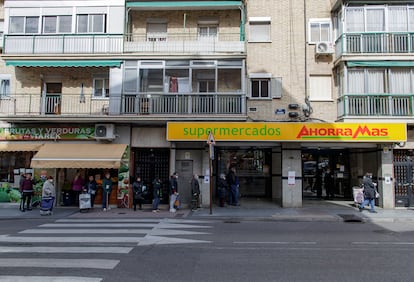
(64, 63)
(380, 63)
(184, 4)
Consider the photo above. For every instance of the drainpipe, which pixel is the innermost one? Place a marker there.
(242, 22)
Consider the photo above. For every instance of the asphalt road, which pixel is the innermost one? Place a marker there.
(203, 250)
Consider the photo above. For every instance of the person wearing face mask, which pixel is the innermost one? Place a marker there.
(48, 197)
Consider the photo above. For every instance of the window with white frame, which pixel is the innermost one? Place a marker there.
(91, 23)
(24, 25)
(208, 27)
(320, 88)
(264, 86)
(259, 29)
(57, 24)
(320, 30)
(101, 87)
(5, 85)
(157, 30)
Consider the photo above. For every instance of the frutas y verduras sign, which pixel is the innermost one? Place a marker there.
(277, 131)
(47, 133)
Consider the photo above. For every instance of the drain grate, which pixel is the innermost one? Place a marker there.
(351, 218)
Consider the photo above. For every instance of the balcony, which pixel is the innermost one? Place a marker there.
(74, 105)
(375, 43)
(376, 105)
(63, 44)
(184, 43)
(102, 44)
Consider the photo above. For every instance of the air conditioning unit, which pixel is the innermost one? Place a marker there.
(324, 48)
(105, 131)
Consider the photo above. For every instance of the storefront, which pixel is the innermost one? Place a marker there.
(278, 161)
(63, 152)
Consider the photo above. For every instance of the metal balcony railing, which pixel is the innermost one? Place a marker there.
(38, 105)
(375, 105)
(183, 43)
(36, 44)
(63, 44)
(375, 42)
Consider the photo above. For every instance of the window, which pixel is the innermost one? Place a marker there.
(5, 85)
(264, 86)
(57, 24)
(260, 88)
(320, 88)
(91, 23)
(319, 30)
(24, 25)
(156, 31)
(259, 29)
(206, 86)
(207, 31)
(101, 88)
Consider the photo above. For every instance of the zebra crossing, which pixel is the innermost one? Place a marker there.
(75, 244)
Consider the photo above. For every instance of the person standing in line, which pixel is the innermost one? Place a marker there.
(369, 193)
(48, 190)
(92, 188)
(27, 192)
(329, 183)
(106, 191)
(77, 186)
(156, 185)
(195, 193)
(137, 190)
(233, 182)
(173, 191)
(222, 189)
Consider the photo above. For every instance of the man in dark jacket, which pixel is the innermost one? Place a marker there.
(195, 193)
(173, 191)
(137, 190)
(27, 192)
(369, 193)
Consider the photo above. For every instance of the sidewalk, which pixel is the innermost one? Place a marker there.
(311, 211)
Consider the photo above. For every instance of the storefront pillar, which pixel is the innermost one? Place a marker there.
(291, 176)
(172, 158)
(385, 181)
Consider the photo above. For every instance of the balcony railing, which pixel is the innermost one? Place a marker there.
(376, 42)
(376, 105)
(63, 44)
(117, 43)
(184, 43)
(59, 105)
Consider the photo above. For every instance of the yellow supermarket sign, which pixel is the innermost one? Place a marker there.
(279, 131)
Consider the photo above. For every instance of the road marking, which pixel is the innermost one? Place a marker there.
(276, 243)
(158, 240)
(135, 225)
(119, 240)
(156, 231)
(81, 250)
(48, 279)
(59, 263)
(383, 243)
(166, 220)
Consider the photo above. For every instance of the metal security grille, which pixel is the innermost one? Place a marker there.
(150, 163)
(404, 182)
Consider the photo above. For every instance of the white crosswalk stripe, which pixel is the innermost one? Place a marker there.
(122, 235)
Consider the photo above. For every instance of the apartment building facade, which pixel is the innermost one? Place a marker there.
(148, 81)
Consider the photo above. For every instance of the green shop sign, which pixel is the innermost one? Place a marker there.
(47, 133)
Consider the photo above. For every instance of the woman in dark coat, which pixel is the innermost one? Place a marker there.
(137, 190)
(369, 193)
